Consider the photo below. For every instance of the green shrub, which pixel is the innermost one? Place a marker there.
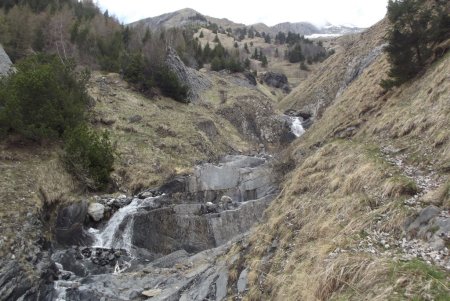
(139, 71)
(89, 156)
(43, 98)
(170, 85)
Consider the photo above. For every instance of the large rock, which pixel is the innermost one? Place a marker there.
(5, 62)
(254, 117)
(196, 81)
(96, 211)
(276, 80)
(69, 228)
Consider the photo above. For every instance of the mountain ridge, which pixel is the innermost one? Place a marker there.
(189, 16)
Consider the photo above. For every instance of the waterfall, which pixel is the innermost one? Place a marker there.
(118, 232)
(297, 127)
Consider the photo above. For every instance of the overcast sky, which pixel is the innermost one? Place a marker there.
(362, 13)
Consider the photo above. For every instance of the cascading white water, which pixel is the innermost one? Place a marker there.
(297, 127)
(116, 234)
(106, 238)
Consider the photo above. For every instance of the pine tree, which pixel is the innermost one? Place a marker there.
(415, 29)
(255, 56)
(264, 61)
(246, 48)
(247, 63)
(206, 52)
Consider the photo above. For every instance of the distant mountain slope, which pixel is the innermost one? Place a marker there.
(303, 28)
(184, 17)
(188, 16)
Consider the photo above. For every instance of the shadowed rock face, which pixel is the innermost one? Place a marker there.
(69, 228)
(277, 80)
(5, 62)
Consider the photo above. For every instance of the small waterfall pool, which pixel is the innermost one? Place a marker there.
(296, 126)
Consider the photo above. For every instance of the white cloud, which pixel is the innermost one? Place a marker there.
(362, 13)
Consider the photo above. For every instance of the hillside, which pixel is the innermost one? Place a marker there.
(353, 55)
(364, 215)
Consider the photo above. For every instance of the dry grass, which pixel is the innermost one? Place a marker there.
(166, 140)
(340, 188)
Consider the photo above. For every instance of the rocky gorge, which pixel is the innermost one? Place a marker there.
(170, 236)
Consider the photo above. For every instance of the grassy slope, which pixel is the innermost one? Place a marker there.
(322, 85)
(342, 189)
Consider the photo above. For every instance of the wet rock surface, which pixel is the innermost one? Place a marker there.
(91, 261)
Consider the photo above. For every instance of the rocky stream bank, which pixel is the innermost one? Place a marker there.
(164, 243)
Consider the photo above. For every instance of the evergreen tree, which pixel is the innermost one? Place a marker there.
(296, 55)
(201, 34)
(247, 63)
(206, 52)
(251, 33)
(264, 61)
(280, 38)
(415, 29)
(246, 48)
(255, 56)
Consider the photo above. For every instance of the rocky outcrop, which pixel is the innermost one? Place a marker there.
(5, 62)
(276, 80)
(223, 201)
(242, 178)
(194, 80)
(357, 66)
(26, 270)
(255, 118)
(69, 228)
